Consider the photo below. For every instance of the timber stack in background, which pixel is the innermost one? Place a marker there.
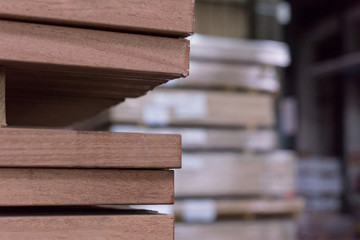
(234, 182)
(64, 62)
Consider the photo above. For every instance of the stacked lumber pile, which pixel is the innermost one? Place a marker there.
(64, 61)
(231, 171)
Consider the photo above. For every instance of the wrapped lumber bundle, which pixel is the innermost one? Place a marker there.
(236, 174)
(233, 230)
(195, 138)
(65, 61)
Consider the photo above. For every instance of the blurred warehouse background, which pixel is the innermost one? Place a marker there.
(270, 122)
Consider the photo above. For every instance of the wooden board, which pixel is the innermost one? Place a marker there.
(236, 174)
(110, 224)
(2, 99)
(194, 108)
(229, 76)
(52, 72)
(235, 230)
(194, 210)
(212, 138)
(165, 17)
(69, 149)
(43, 187)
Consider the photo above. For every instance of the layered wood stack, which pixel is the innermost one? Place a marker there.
(64, 61)
(226, 113)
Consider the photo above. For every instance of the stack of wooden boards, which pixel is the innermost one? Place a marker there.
(64, 61)
(68, 60)
(226, 113)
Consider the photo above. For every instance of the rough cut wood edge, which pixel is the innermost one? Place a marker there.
(110, 227)
(2, 99)
(69, 149)
(66, 187)
(166, 17)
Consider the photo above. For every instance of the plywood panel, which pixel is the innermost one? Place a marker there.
(167, 17)
(110, 225)
(58, 75)
(68, 149)
(43, 187)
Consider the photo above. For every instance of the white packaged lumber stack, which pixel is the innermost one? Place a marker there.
(237, 229)
(212, 138)
(195, 108)
(211, 210)
(236, 174)
(225, 64)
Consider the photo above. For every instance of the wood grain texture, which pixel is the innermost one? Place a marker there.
(59, 75)
(2, 99)
(69, 149)
(236, 174)
(88, 227)
(44, 187)
(167, 17)
(197, 108)
(235, 230)
(212, 138)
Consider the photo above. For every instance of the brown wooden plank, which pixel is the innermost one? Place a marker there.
(167, 17)
(2, 99)
(90, 51)
(83, 67)
(88, 227)
(67, 149)
(43, 187)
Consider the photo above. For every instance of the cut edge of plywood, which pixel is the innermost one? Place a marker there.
(2, 99)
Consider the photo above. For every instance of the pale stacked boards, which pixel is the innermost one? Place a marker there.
(225, 112)
(65, 61)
